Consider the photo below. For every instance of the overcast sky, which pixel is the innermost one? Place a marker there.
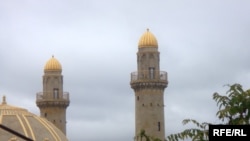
(203, 44)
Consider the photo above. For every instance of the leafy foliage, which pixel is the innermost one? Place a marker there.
(147, 138)
(196, 134)
(234, 109)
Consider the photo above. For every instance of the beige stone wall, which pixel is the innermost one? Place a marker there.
(150, 112)
(56, 115)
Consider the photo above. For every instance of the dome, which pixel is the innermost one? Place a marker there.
(21, 121)
(53, 65)
(147, 40)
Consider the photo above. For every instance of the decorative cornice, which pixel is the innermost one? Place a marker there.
(143, 84)
(52, 103)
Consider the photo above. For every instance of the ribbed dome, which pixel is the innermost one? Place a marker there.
(27, 124)
(53, 65)
(147, 40)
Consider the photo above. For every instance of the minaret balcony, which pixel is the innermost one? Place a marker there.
(149, 79)
(156, 76)
(43, 96)
(45, 99)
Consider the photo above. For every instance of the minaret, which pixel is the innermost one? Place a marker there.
(53, 101)
(149, 84)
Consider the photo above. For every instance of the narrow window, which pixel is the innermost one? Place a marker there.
(151, 72)
(159, 126)
(45, 114)
(55, 93)
(138, 98)
(151, 104)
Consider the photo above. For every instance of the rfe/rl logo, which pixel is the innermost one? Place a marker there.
(228, 132)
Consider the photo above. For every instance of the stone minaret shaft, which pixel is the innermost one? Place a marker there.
(149, 84)
(53, 101)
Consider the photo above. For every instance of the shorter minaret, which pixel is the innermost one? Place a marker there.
(149, 83)
(4, 100)
(53, 101)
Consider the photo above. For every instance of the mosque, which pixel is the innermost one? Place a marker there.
(18, 124)
(148, 83)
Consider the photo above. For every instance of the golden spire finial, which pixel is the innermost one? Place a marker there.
(147, 40)
(4, 100)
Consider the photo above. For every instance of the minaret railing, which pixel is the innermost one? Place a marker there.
(46, 96)
(145, 75)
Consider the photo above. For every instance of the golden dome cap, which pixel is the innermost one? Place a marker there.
(53, 65)
(147, 40)
(28, 124)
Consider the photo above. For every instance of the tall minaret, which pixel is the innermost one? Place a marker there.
(53, 101)
(149, 84)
